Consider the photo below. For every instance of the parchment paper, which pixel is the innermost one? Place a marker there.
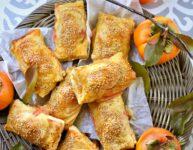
(134, 96)
(3, 67)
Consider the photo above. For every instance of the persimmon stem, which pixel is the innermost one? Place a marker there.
(156, 23)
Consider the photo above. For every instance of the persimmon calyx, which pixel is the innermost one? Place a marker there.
(156, 145)
(166, 39)
(158, 43)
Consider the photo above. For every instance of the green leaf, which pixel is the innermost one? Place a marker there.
(142, 72)
(187, 40)
(31, 77)
(153, 145)
(179, 120)
(154, 39)
(185, 119)
(168, 47)
(169, 145)
(181, 111)
(19, 146)
(182, 103)
(153, 52)
(155, 29)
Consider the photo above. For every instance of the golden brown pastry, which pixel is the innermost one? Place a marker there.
(75, 140)
(70, 31)
(111, 35)
(112, 124)
(31, 49)
(33, 125)
(102, 79)
(63, 103)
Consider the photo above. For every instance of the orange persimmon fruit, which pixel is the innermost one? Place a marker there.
(143, 2)
(6, 90)
(143, 34)
(159, 134)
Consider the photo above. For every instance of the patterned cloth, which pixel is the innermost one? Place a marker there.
(14, 11)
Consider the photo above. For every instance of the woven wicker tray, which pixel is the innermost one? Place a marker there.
(168, 82)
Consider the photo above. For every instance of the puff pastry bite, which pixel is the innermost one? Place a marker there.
(31, 49)
(38, 128)
(75, 140)
(63, 103)
(102, 79)
(112, 124)
(70, 31)
(111, 35)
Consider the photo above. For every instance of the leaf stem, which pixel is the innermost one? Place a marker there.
(164, 34)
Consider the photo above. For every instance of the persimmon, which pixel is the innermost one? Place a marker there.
(146, 29)
(6, 90)
(159, 136)
(145, 1)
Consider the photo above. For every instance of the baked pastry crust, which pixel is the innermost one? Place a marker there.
(102, 79)
(70, 31)
(31, 49)
(75, 140)
(38, 128)
(112, 124)
(111, 35)
(63, 103)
